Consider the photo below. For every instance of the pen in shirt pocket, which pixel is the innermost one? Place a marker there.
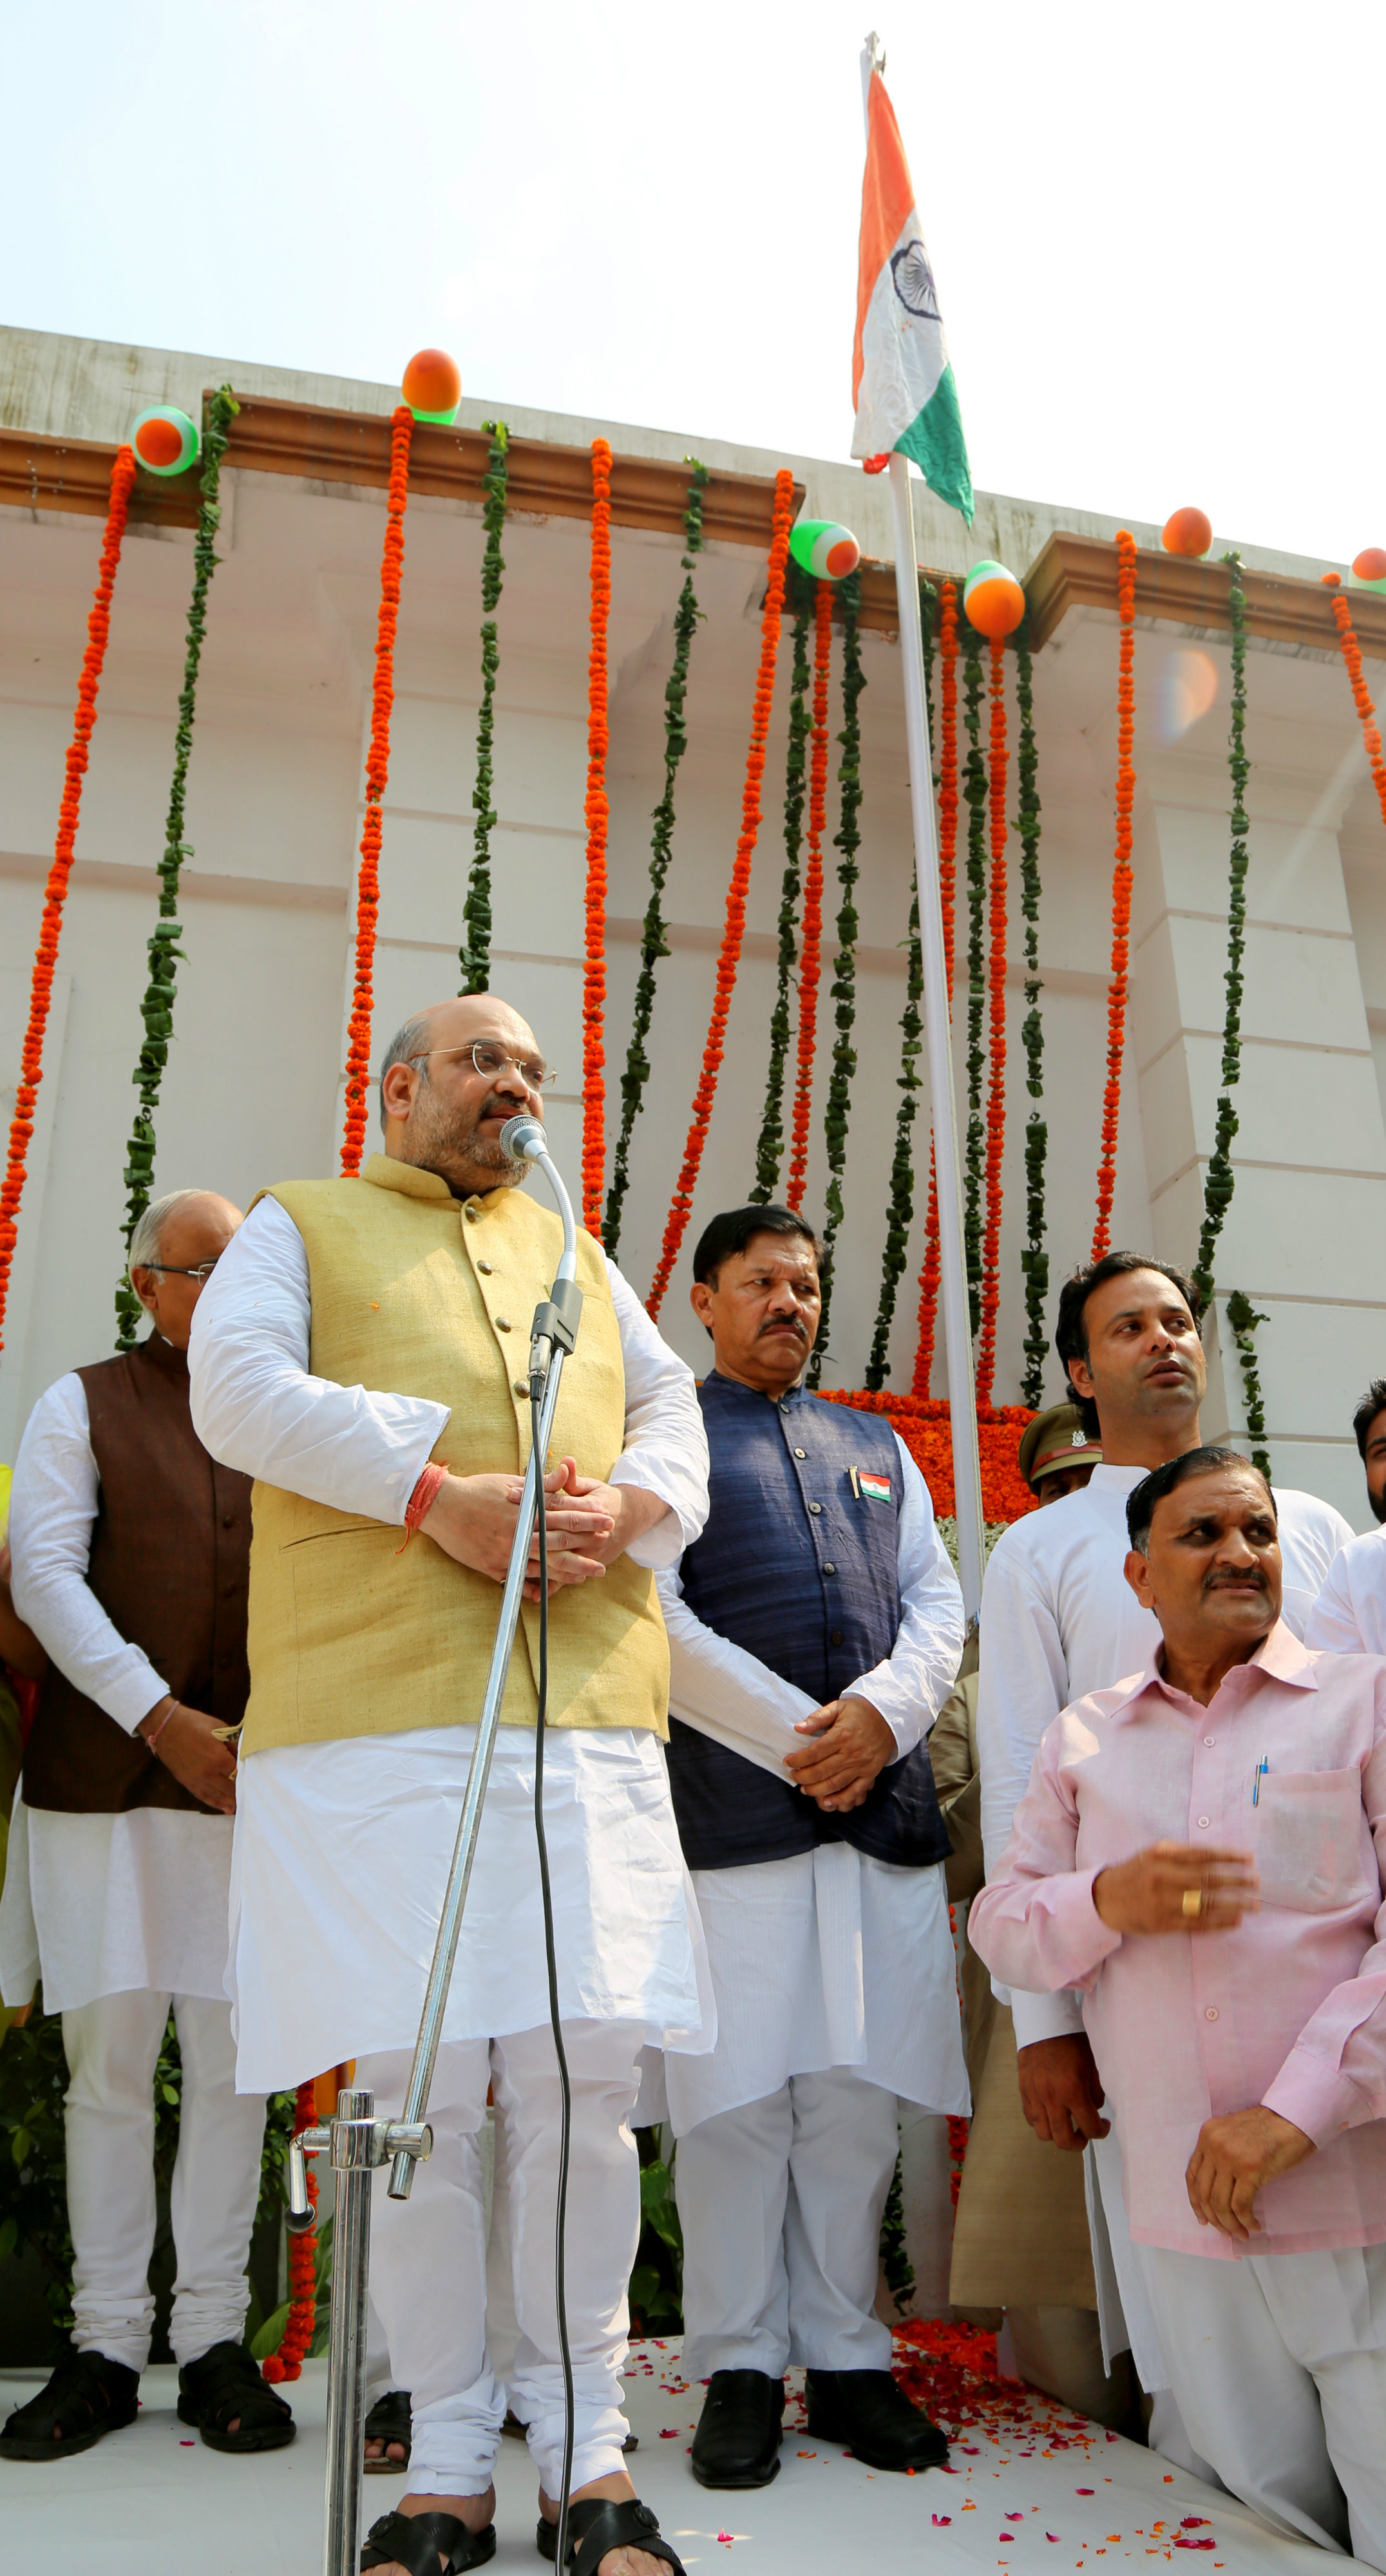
(1262, 1768)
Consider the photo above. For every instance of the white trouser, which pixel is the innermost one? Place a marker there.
(1280, 2360)
(112, 2049)
(428, 2254)
(780, 2204)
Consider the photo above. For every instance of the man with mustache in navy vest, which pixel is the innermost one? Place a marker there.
(814, 1631)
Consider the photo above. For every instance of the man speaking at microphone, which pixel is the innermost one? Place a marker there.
(365, 1356)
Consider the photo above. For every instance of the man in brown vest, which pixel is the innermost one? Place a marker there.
(131, 1549)
(363, 1349)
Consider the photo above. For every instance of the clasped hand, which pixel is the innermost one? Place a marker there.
(853, 1744)
(589, 1524)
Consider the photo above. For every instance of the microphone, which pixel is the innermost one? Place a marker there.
(523, 1139)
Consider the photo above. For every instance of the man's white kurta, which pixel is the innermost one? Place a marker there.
(97, 1905)
(828, 1958)
(1349, 1616)
(342, 1848)
(1059, 1620)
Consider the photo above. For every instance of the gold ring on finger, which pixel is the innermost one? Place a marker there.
(1193, 1904)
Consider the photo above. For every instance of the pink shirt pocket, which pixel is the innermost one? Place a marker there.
(1309, 1839)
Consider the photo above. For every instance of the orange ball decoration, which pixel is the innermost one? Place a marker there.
(1188, 532)
(1369, 568)
(433, 385)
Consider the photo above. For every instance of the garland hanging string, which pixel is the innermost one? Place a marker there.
(1220, 1183)
(810, 948)
(681, 1205)
(931, 1274)
(474, 956)
(653, 944)
(975, 794)
(847, 842)
(996, 1028)
(156, 1008)
(1243, 1318)
(1361, 697)
(55, 892)
(770, 1142)
(358, 1066)
(1034, 1258)
(301, 2322)
(900, 1215)
(597, 813)
(1121, 889)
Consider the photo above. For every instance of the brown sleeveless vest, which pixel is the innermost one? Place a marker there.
(170, 1561)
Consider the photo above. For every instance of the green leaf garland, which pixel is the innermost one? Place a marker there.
(653, 944)
(901, 1212)
(156, 1009)
(474, 956)
(1034, 1258)
(975, 792)
(1243, 1318)
(1220, 1183)
(847, 840)
(770, 1143)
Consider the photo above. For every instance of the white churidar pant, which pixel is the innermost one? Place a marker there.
(781, 2203)
(1280, 2360)
(112, 2049)
(429, 2254)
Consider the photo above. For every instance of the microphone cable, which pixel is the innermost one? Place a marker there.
(565, 2090)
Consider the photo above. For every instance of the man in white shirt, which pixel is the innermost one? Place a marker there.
(1350, 1614)
(814, 1631)
(362, 1352)
(131, 1549)
(1058, 1621)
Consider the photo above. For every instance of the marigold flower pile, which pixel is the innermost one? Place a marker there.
(358, 1065)
(923, 1424)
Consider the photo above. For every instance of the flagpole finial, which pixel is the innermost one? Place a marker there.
(873, 53)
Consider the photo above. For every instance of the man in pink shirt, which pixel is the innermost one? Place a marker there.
(1199, 1853)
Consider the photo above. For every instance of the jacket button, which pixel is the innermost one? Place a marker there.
(485, 1268)
(801, 1453)
(830, 1569)
(816, 1509)
(835, 1637)
(228, 1520)
(502, 1323)
(518, 1387)
(471, 1213)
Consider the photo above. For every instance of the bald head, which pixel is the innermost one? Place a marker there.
(443, 1112)
(177, 1238)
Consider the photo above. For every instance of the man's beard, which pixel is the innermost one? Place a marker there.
(449, 1143)
(1378, 1503)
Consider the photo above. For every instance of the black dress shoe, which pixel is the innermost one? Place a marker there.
(737, 2443)
(870, 2412)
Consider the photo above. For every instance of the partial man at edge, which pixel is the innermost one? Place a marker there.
(1350, 1613)
(1058, 1621)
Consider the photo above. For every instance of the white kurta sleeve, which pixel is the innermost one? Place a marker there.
(255, 1405)
(666, 1444)
(53, 1507)
(1022, 1686)
(721, 1690)
(1334, 1621)
(912, 1682)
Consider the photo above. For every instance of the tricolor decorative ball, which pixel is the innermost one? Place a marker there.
(1188, 532)
(1369, 569)
(165, 441)
(824, 549)
(433, 386)
(993, 600)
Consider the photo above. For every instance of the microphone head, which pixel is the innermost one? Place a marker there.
(523, 1139)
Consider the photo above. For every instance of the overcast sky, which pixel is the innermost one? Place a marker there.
(1156, 229)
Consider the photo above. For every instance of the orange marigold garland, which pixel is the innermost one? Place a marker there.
(1121, 890)
(358, 1067)
(1352, 655)
(55, 892)
(996, 1043)
(596, 811)
(301, 2325)
(682, 1202)
(922, 1423)
(810, 946)
(931, 1273)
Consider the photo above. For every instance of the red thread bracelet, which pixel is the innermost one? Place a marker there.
(152, 1740)
(421, 1501)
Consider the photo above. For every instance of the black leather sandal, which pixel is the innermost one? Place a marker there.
(414, 2540)
(391, 2419)
(226, 2382)
(87, 2394)
(596, 2525)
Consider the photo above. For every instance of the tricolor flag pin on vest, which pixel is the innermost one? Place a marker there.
(902, 384)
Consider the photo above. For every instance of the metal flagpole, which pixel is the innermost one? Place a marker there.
(957, 1330)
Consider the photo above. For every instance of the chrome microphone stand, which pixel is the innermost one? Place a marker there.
(356, 2141)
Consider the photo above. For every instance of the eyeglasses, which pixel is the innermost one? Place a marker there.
(169, 1270)
(490, 1060)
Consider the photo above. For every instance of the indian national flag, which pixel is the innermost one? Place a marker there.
(902, 383)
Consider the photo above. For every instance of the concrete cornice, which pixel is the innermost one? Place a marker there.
(1081, 572)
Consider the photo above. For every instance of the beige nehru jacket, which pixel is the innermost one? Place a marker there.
(417, 1293)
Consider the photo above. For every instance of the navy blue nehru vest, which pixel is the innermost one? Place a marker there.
(801, 1570)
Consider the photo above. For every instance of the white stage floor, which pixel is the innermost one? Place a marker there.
(153, 2501)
